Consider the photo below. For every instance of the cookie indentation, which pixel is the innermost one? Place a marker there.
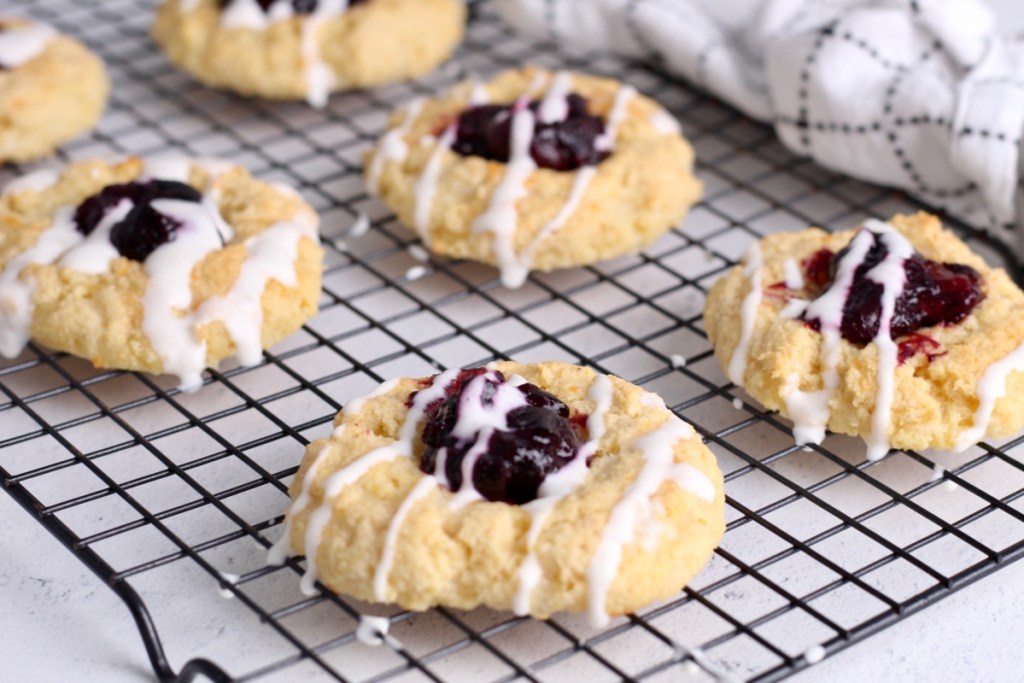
(143, 228)
(507, 435)
(562, 145)
(933, 293)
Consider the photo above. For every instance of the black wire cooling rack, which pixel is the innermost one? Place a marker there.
(170, 498)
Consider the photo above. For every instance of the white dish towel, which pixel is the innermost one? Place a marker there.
(925, 95)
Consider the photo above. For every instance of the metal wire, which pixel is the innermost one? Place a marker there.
(148, 486)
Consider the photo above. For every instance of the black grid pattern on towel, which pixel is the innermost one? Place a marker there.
(153, 489)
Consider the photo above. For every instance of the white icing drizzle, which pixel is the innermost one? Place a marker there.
(737, 404)
(218, 167)
(477, 420)
(169, 293)
(270, 256)
(16, 292)
(336, 483)
(677, 361)
(19, 44)
(891, 275)
(478, 94)
(991, 388)
(373, 630)
(555, 105)
(392, 146)
(500, 217)
(36, 181)
(353, 406)
(94, 253)
(282, 548)
(748, 315)
(665, 123)
(320, 77)
(559, 485)
(247, 14)
(168, 168)
(793, 277)
(387, 558)
(606, 141)
(659, 466)
(425, 188)
(937, 472)
(515, 273)
(810, 410)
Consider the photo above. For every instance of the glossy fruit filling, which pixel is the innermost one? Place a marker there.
(933, 294)
(566, 145)
(143, 228)
(510, 436)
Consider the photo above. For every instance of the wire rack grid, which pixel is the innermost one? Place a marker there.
(173, 498)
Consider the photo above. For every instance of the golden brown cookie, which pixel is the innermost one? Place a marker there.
(906, 338)
(590, 171)
(51, 89)
(586, 493)
(307, 50)
(166, 266)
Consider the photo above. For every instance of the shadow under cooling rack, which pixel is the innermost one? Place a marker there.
(172, 499)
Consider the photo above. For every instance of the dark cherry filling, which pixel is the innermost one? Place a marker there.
(540, 439)
(566, 145)
(299, 6)
(915, 343)
(934, 294)
(818, 268)
(144, 228)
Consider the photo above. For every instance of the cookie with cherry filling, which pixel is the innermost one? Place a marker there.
(535, 171)
(895, 332)
(162, 266)
(537, 488)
